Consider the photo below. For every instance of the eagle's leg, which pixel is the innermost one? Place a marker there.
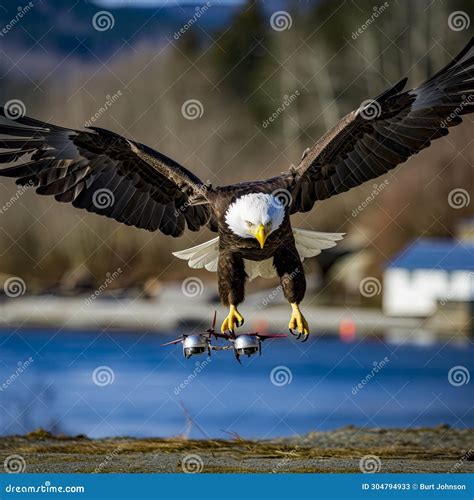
(293, 282)
(231, 280)
(233, 319)
(298, 322)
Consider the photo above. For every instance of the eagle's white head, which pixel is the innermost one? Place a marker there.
(255, 215)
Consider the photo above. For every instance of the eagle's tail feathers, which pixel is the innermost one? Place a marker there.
(263, 268)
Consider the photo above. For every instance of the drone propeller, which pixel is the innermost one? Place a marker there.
(264, 336)
(212, 329)
(271, 336)
(237, 357)
(213, 326)
(172, 342)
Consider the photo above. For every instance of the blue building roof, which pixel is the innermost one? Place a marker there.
(443, 254)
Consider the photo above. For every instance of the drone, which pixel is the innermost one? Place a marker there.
(245, 344)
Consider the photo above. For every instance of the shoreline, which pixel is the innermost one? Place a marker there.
(348, 450)
(159, 315)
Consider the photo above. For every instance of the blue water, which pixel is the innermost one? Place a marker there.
(56, 390)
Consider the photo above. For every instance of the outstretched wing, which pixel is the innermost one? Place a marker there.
(384, 132)
(103, 173)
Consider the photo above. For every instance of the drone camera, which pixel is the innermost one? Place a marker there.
(246, 345)
(194, 345)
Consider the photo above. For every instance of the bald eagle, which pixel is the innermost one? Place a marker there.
(255, 237)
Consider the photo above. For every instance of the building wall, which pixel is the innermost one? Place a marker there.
(420, 292)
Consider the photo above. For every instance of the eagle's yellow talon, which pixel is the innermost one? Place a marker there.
(298, 322)
(233, 319)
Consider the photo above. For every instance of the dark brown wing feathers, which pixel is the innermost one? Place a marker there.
(365, 145)
(105, 173)
(102, 172)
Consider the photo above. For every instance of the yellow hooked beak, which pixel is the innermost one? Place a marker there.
(261, 235)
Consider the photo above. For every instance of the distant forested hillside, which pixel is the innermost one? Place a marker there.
(265, 92)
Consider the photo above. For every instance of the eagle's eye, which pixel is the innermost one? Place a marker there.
(249, 224)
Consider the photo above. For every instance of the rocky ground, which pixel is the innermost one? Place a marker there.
(439, 449)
